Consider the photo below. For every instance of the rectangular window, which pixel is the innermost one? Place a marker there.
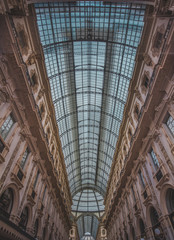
(170, 124)
(154, 159)
(141, 179)
(24, 158)
(6, 126)
(37, 176)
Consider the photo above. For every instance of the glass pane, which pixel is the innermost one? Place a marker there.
(89, 49)
(170, 125)
(6, 126)
(154, 159)
(24, 158)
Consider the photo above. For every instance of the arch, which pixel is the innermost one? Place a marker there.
(156, 227)
(170, 200)
(154, 216)
(163, 195)
(15, 191)
(6, 202)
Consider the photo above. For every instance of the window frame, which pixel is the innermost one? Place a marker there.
(167, 125)
(36, 179)
(3, 132)
(22, 166)
(153, 160)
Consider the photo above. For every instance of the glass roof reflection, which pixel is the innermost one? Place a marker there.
(89, 49)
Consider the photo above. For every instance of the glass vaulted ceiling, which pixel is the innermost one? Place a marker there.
(89, 49)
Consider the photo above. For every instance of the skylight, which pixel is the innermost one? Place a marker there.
(89, 49)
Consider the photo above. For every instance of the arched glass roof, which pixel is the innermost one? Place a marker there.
(89, 49)
(88, 200)
(87, 224)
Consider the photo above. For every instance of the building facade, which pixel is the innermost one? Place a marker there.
(35, 196)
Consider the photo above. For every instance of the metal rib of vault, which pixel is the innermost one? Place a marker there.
(89, 49)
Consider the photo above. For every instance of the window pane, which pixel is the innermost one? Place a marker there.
(6, 127)
(170, 125)
(23, 161)
(154, 159)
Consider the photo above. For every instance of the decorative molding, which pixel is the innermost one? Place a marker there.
(7, 169)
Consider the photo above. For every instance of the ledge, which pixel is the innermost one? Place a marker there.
(11, 230)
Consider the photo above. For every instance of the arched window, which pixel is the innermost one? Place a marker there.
(6, 202)
(142, 228)
(157, 230)
(154, 216)
(24, 218)
(170, 204)
(36, 226)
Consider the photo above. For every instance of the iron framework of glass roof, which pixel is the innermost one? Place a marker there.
(89, 49)
(87, 226)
